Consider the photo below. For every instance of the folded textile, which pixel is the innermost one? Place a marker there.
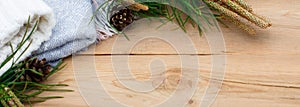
(103, 27)
(14, 16)
(73, 31)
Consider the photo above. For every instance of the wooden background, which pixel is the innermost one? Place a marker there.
(261, 70)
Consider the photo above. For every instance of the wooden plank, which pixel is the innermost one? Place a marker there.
(267, 80)
(66, 76)
(261, 70)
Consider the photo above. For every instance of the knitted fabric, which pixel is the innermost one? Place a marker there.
(73, 32)
(103, 27)
(14, 16)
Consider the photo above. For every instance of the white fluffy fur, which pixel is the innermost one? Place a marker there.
(13, 17)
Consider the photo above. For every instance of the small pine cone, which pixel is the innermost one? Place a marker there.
(122, 18)
(37, 65)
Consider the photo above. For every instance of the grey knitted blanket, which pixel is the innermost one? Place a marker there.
(73, 32)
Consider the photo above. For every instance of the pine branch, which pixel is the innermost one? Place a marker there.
(234, 10)
(14, 89)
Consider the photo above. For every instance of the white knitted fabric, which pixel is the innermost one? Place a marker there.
(13, 18)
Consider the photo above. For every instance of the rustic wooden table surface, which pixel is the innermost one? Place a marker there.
(261, 71)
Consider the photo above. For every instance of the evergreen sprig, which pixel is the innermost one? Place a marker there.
(159, 8)
(237, 12)
(14, 93)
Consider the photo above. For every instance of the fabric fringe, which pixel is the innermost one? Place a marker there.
(103, 27)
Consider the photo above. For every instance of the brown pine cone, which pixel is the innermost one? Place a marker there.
(122, 18)
(34, 65)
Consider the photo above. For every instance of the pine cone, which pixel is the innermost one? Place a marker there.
(35, 65)
(122, 18)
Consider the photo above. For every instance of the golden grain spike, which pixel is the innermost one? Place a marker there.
(222, 9)
(244, 5)
(138, 7)
(241, 25)
(246, 14)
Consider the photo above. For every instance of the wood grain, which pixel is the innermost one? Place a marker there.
(261, 71)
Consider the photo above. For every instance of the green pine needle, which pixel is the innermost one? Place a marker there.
(25, 91)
